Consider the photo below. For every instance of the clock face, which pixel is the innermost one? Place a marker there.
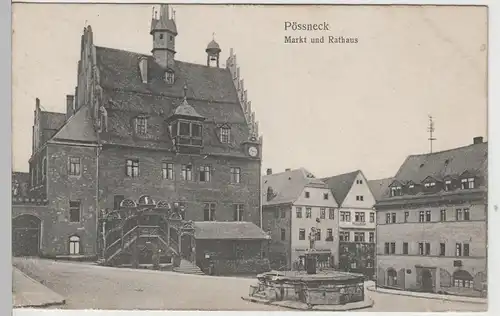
(252, 151)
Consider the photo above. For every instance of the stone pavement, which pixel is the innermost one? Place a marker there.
(453, 298)
(27, 292)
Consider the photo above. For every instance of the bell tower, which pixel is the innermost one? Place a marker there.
(164, 31)
(213, 51)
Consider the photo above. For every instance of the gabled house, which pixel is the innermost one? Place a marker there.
(432, 223)
(300, 214)
(356, 221)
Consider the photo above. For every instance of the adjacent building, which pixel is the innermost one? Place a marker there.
(297, 207)
(140, 125)
(432, 223)
(356, 221)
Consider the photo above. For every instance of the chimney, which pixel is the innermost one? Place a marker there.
(288, 169)
(478, 140)
(143, 67)
(37, 102)
(70, 107)
(269, 171)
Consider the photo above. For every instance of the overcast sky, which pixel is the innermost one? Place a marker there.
(330, 108)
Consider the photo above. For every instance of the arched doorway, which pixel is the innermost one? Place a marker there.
(26, 231)
(427, 280)
(392, 277)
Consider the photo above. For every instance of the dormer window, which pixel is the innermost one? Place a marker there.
(447, 185)
(468, 183)
(225, 134)
(169, 77)
(396, 191)
(141, 125)
(430, 184)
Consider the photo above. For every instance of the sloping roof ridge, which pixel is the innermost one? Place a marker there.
(52, 112)
(343, 174)
(72, 118)
(446, 150)
(122, 50)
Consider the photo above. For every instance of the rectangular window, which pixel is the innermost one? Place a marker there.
(421, 248)
(396, 191)
(184, 129)
(372, 217)
(308, 212)
(427, 216)
(167, 170)
(427, 249)
(325, 196)
(204, 173)
(442, 249)
(329, 234)
(283, 234)
(318, 234)
(74, 166)
(331, 213)
(117, 199)
(359, 236)
(283, 213)
(195, 130)
(235, 175)
(371, 237)
(302, 234)
(405, 248)
(421, 216)
(359, 198)
(407, 215)
(344, 236)
(141, 125)
(359, 217)
(224, 135)
(466, 214)
(277, 213)
(307, 195)
(468, 183)
(393, 248)
(388, 218)
(393, 218)
(322, 213)
(386, 248)
(132, 168)
(209, 212)
(458, 250)
(74, 211)
(359, 181)
(443, 215)
(238, 212)
(458, 215)
(299, 212)
(187, 172)
(466, 250)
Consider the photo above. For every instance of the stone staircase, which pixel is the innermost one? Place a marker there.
(188, 267)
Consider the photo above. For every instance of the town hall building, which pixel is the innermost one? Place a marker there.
(144, 125)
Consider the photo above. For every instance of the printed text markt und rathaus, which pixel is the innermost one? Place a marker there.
(322, 27)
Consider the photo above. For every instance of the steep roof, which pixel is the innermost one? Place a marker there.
(341, 184)
(229, 230)
(379, 187)
(287, 186)
(453, 162)
(118, 69)
(78, 128)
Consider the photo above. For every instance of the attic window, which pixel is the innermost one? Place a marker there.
(225, 134)
(161, 36)
(447, 185)
(467, 183)
(396, 191)
(430, 184)
(421, 165)
(169, 77)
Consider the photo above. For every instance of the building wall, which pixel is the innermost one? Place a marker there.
(274, 219)
(450, 232)
(316, 201)
(63, 188)
(220, 190)
(352, 204)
